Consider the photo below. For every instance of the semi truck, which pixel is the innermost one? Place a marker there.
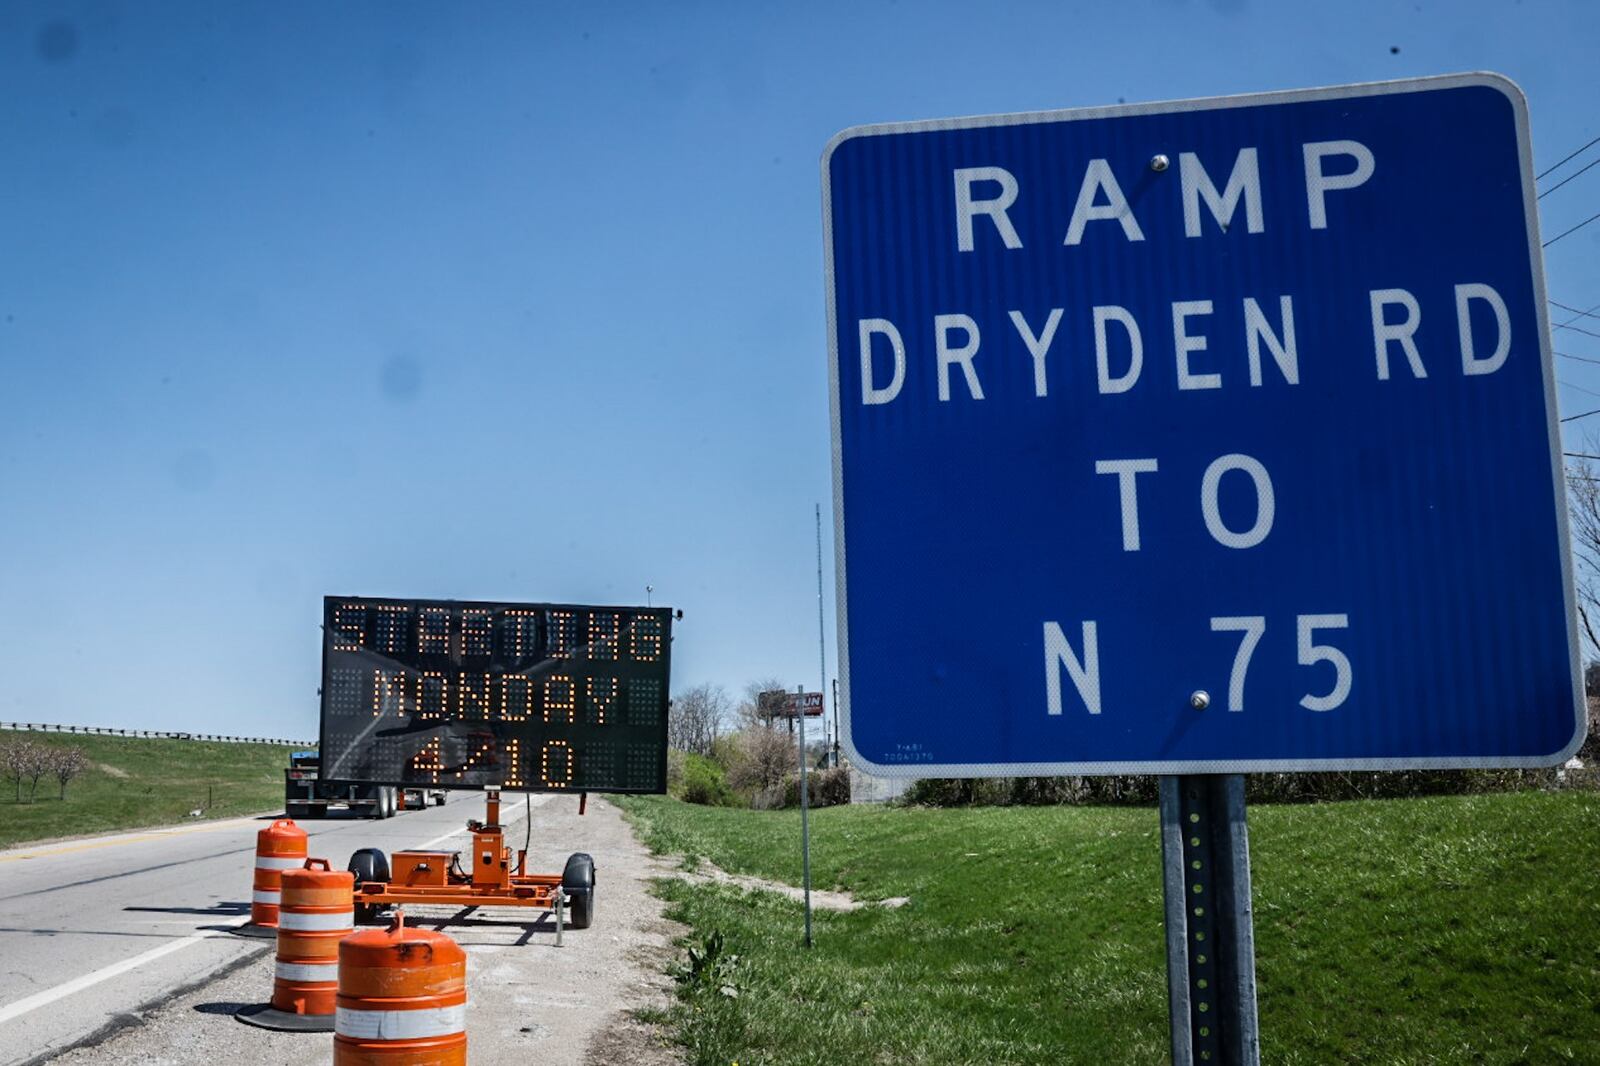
(307, 795)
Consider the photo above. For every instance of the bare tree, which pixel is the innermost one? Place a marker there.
(14, 760)
(766, 757)
(67, 763)
(37, 760)
(697, 719)
(1583, 501)
(755, 711)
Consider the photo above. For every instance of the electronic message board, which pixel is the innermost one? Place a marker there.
(533, 697)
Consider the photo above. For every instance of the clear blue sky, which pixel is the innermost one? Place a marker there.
(516, 301)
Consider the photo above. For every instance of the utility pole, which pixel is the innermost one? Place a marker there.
(836, 723)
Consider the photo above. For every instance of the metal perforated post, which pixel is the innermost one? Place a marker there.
(805, 819)
(1211, 960)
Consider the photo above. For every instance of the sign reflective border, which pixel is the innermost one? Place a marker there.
(1211, 436)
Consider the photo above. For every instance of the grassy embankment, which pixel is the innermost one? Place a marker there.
(132, 782)
(1443, 930)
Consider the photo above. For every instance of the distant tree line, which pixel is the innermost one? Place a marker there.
(1141, 789)
(23, 760)
(742, 753)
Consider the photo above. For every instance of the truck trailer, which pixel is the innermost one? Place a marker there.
(307, 795)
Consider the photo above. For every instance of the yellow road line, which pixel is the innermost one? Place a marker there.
(134, 838)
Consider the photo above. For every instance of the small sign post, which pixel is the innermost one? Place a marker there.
(805, 821)
(1250, 396)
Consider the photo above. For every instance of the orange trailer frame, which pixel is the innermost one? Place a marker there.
(491, 881)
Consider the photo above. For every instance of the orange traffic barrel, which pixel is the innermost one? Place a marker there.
(280, 846)
(402, 999)
(317, 911)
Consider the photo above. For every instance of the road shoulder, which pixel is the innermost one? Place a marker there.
(574, 1005)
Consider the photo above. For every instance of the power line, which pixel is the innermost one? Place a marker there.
(1575, 329)
(1574, 229)
(1577, 314)
(1586, 414)
(1569, 177)
(1578, 388)
(1574, 155)
(1579, 358)
(1580, 455)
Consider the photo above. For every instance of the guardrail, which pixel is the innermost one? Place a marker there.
(100, 731)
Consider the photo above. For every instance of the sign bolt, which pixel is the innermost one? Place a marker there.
(1158, 163)
(1200, 699)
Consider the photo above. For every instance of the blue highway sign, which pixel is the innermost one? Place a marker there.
(1202, 437)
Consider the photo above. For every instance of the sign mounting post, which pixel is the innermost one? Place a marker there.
(1211, 951)
(1250, 396)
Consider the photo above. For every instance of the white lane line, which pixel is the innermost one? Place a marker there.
(105, 973)
(116, 969)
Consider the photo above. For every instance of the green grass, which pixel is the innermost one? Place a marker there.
(133, 782)
(1443, 930)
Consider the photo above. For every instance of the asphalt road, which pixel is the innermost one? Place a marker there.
(99, 936)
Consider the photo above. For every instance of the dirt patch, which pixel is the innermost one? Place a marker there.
(109, 770)
(628, 1040)
(707, 872)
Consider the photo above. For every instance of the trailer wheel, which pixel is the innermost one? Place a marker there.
(577, 881)
(377, 807)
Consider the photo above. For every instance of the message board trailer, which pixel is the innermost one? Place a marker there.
(525, 697)
(1199, 438)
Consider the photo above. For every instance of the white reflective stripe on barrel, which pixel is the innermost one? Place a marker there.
(316, 923)
(272, 862)
(325, 972)
(265, 895)
(400, 1024)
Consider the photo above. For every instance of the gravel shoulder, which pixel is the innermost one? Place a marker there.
(566, 1006)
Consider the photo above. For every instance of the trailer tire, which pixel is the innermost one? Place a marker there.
(377, 807)
(577, 881)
